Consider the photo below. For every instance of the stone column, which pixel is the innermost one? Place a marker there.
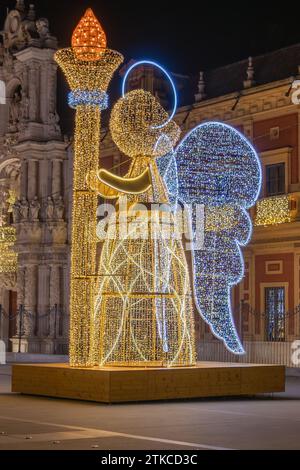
(32, 179)
(52, 85)
(55, 297)
(43, 300)
(21, 290)
(56, 178)
(43, 179)
(30, 300)
(34, 92)
(24, 179)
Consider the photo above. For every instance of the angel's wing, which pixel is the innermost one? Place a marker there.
(219, 168)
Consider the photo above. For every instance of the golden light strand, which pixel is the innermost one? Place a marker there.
(273, 211)
(88, 75)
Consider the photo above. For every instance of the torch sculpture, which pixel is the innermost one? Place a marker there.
(89, 67)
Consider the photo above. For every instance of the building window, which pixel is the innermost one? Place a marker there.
(275, 179)
(275, 313)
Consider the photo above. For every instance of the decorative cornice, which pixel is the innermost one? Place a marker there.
(34, 53)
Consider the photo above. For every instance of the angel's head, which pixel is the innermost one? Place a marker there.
(218, 166)
(137, 126)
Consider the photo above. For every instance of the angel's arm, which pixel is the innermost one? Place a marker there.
(111, 186)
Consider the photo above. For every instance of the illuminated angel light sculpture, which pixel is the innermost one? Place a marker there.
(214, 166)
(219, 168)
(137, 311)
(143, 314)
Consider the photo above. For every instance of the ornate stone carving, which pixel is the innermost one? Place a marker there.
(8, 281)
(42, 26)
(54, 121)
(9, 145)
(58, 233)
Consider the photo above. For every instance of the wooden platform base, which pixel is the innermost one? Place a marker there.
(116, 385)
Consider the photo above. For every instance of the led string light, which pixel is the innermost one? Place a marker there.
(8, 258)
(273, 211)
(8, 238)
(219, 168)
(168, 169)
(88, 98)
(89, 39)
(88, 67)
(154, 64)
(143, 316)
(134, 126)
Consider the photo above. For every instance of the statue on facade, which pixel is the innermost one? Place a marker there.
(24, 106)
(16, 212)
(15, 108)
(42, 26)
(54, 121)
(35, 207)
(59, 208)
(24, 209)
(50, 208)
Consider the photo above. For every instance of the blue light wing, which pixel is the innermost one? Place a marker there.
(168, 169)
(219, 168)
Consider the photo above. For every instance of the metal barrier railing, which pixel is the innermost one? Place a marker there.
(267, 326)
(52, 325)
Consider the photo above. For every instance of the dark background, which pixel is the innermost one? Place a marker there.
(184, 36)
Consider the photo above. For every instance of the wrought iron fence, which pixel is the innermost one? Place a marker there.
(51, 325)
(270, 327)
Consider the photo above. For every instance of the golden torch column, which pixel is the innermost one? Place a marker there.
(89, 67)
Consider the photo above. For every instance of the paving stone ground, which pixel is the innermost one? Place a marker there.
(264, 422)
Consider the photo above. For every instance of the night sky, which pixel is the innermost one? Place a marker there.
(184, 36)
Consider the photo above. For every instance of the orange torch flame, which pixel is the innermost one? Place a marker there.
(89, 39)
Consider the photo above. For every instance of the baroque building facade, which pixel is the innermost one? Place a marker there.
(34, 174)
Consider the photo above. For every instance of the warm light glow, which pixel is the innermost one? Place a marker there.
(144, 314)
(273, 211)
(8, 258)
(88, 79)
(135, 126)
(89, 39)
